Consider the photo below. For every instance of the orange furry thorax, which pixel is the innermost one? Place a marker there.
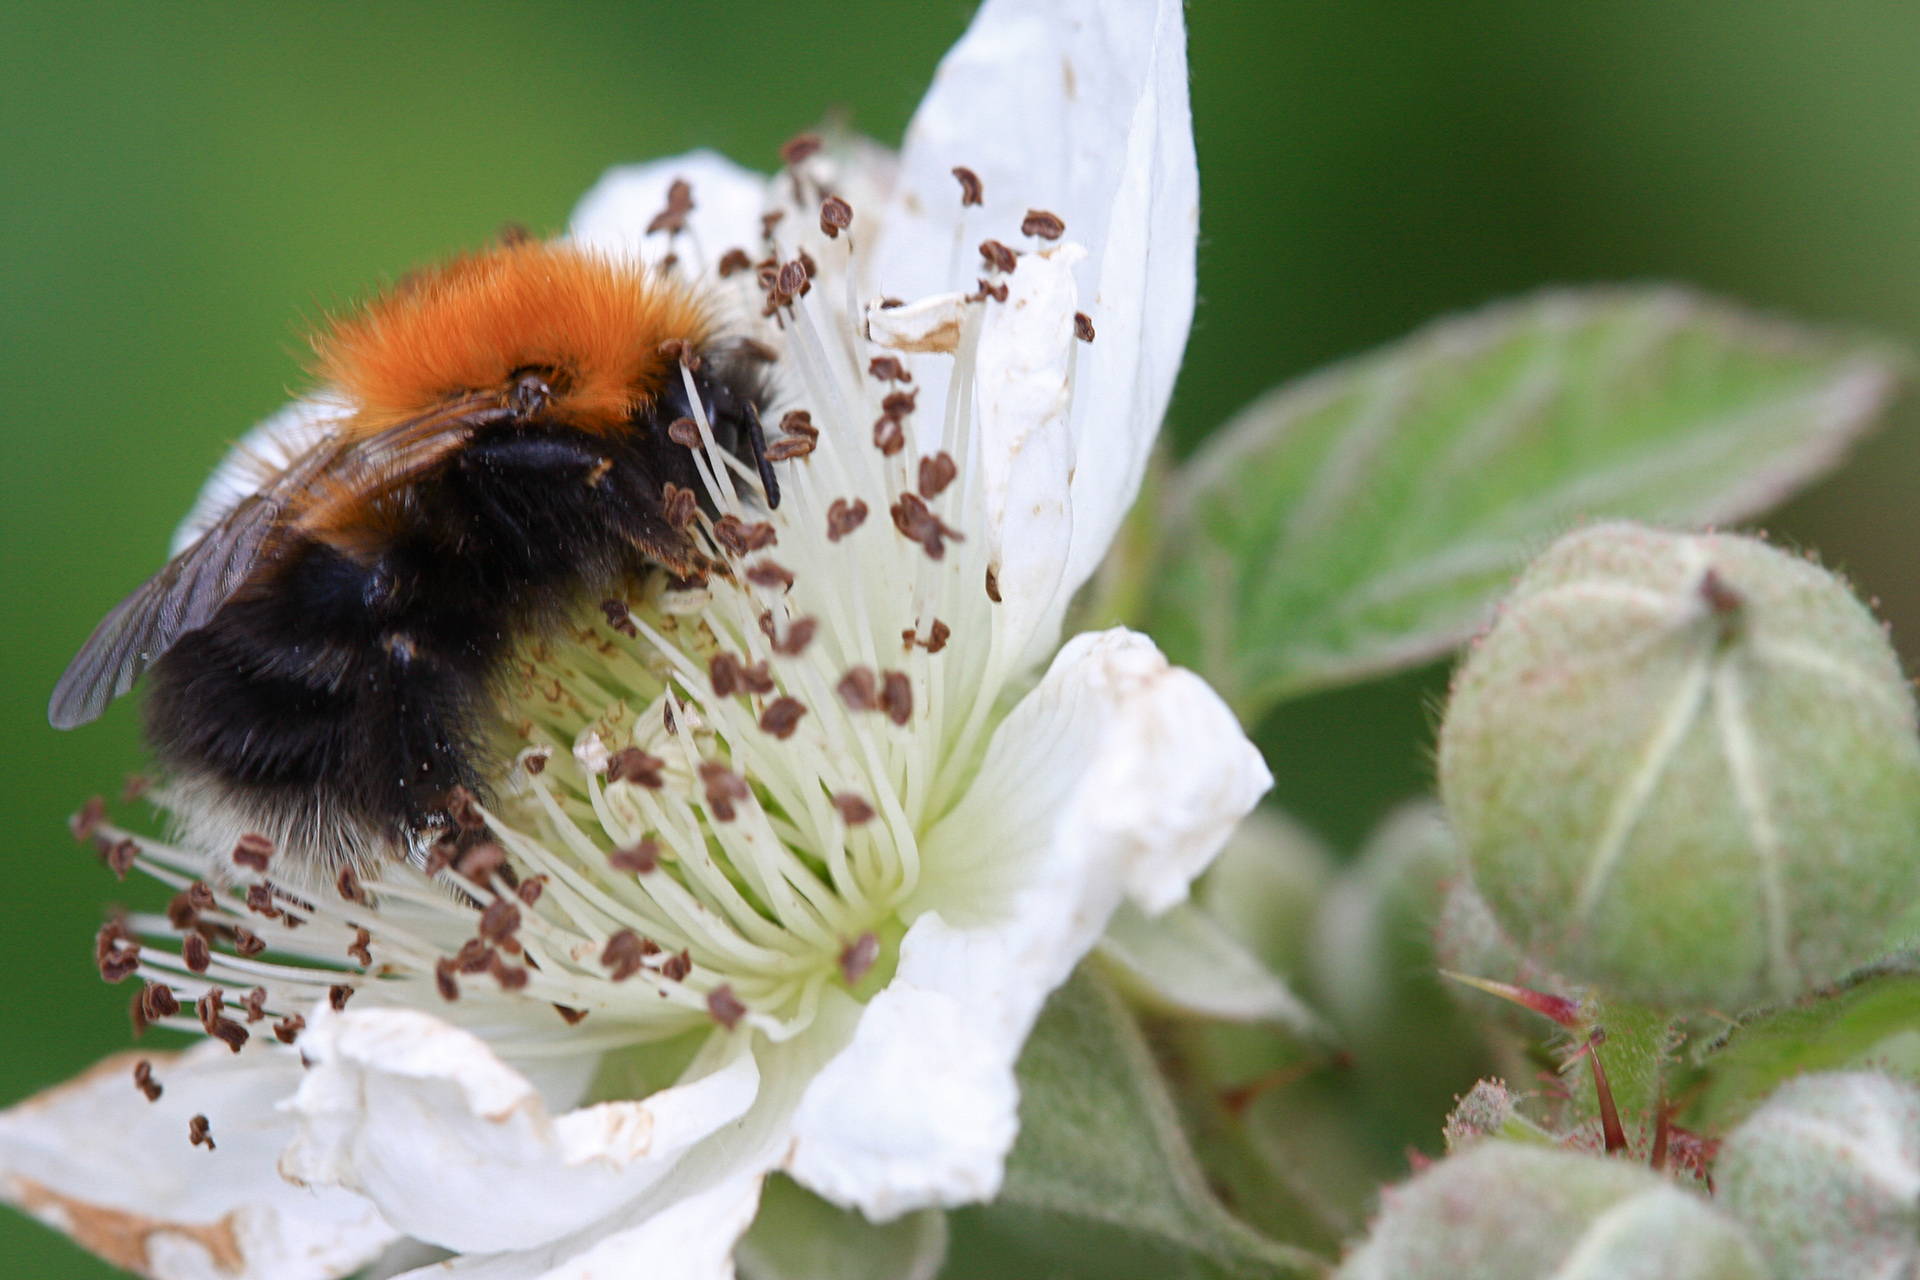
(466, 327)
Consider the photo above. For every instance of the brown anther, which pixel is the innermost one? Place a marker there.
(899, 404)
(888, 369)
(631, 764)
(571, 1016)
(792, 280)
(854, 810)
(734, 260)
(936, 473)
(890, 304)
(812, 267)
(723, 787)
(157, 1001)
(682, 352)
(253, 852)
(622, 955)
(443, 979)
(535, 764)
(84, 823)
(798, 422)
(530, 889)
(198, 1132)
(937, 636)
(246, 943)
(260, 901)
(676, 968)
(143, 1080)
(200, 896)
(998, 256)
(857, 958)
(473, 956)
(181, 913)
(673, 218)
(195, 954)
(799, 636)
(678, 505)
(256, 1005)
(1041, 224)
(888, 436)
(800, 147)
(684, 432)
(360, 952)
(137, 786)
(767, 573)
(347, 885)
(993, 584)
(998, 292)
(896, 697)
(619, 616)
(137, 1014)
(739, 537)
(666, 717)
(464, 808)
(339, 993)
(115, 951)
(441, 855)
(500, 921)
(640, 859)
(723, 674)
(756, 679)
(511, 977)
(1082, 325)
(725, 1006)
(844, 517)
(782, 717)
(915, 522)
(859, 689)
(288, 1029)
(768, 221)
(480, 863)
(971, 192)
(789, 447)
(208, 1007)
(217, 1024)
(836, 215)
(119, 857)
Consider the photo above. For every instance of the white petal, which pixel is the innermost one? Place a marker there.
(262, 453)
(928, 324)
(425, 1121)
(1077, 107)
(1117, 775)
(1024, 378)
(684, 1227)
(95, 1159)
(727, 203)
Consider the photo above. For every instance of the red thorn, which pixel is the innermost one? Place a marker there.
(1562, 1010)
(1616, 1137)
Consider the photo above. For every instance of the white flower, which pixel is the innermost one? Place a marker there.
(797, 854)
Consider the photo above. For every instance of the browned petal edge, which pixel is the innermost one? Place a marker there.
(117, 1235)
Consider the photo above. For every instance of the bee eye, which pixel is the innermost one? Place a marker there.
(530, 390)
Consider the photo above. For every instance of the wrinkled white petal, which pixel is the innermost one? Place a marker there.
(425, 1121)
(95, 1159)
(727, 203)
(1080, 108)
(684, 1227)
(1117, 775)
(1024, 379)
(928, 324)
(1184, 961)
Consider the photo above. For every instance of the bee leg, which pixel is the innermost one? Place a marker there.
(434, 751)
(757, 441)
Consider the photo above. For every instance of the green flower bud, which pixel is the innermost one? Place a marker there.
(1684, 768)
(1826, 1175)
(1265, 887)
(1507, 1211)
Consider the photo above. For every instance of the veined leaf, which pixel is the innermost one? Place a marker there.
(1366, 518)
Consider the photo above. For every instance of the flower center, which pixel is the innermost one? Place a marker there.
(718, 785)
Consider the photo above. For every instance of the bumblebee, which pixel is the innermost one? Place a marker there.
(499, 437)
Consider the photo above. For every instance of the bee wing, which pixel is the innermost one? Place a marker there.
(180, 598)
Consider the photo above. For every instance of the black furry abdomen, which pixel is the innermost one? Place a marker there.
(350, 685)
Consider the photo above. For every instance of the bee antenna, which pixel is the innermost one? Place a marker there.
(758, 440)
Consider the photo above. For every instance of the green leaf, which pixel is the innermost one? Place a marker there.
(1101, 1146)
(1871, 1020)
(1366, 518)
(799, 1236)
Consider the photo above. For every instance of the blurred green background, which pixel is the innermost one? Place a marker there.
(183, 186)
